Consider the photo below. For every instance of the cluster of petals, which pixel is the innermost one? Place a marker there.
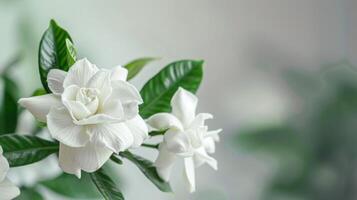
(186, 137)
(92, 112)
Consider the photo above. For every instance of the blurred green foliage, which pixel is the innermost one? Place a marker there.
(317, 145)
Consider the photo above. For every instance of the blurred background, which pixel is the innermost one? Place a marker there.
(280, 79)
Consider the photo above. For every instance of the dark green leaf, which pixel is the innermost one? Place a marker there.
(22, 150)
(149, 170)
(115, 159)
(106, 186)
(53, 51)
(29, 194)
(71, 52)
(8, 106)
(158, 91)
(135, 66)
(70, 186)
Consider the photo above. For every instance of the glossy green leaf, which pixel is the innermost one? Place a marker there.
(135, 66)
(8, 105)
(22, 150)
(29, 194)
(149, 170)
(53, 51)
(106, 186)
(158, 91)
(71, 52)
(72, 187)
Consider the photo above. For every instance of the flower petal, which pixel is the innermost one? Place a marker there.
(55, 80)
(62, 128)
(117, 137)
(101, 81)
(164, 162)
(138, 129)
(98, 119)
(184, 105)
(80, 73)
(163, 121)
(126, 92)
(40, 106)
(200, 120)
(119, 73)
(88, 158)
(113, 108)
(209, 145)
(190, 174)
(178, 142)
(8, 190)
(201, 157)
(4, 166)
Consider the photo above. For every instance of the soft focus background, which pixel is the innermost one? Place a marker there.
(279, 79)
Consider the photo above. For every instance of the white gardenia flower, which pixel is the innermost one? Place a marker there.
(7, 189)
(186, 137)
(92, 113)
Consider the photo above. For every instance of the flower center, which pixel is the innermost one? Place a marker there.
(89, 98)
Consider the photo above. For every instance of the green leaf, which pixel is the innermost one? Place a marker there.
(29, 194)
(106, 185)
(158, 91)
(22, 150)
(8, 106)
(53, 51)
(149, 170)
(115, 159)
(70, 186)
(71, 52)
(39, 92)
(135, 66)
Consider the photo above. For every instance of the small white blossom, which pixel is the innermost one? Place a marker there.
(186, 137)
(7, 189)
(92, 113)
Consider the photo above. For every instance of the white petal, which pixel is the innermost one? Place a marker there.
(178, 142)
(200, 120)
(117, 137)
(113, 108)
(138, 129)
(67, 160)
(89, 158)
(77, 109)
(201, 156)
(101, 81)
(62, 128)
(8, 190)
(163, 121)
(209, 145)
(126, 92)
(98, 119)
(190, 174)
(40, 106)
(119, 73)
(130, 110)
(80, 73)
(4, 166)
(55, 80)
(184, 105)
(164, 162)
